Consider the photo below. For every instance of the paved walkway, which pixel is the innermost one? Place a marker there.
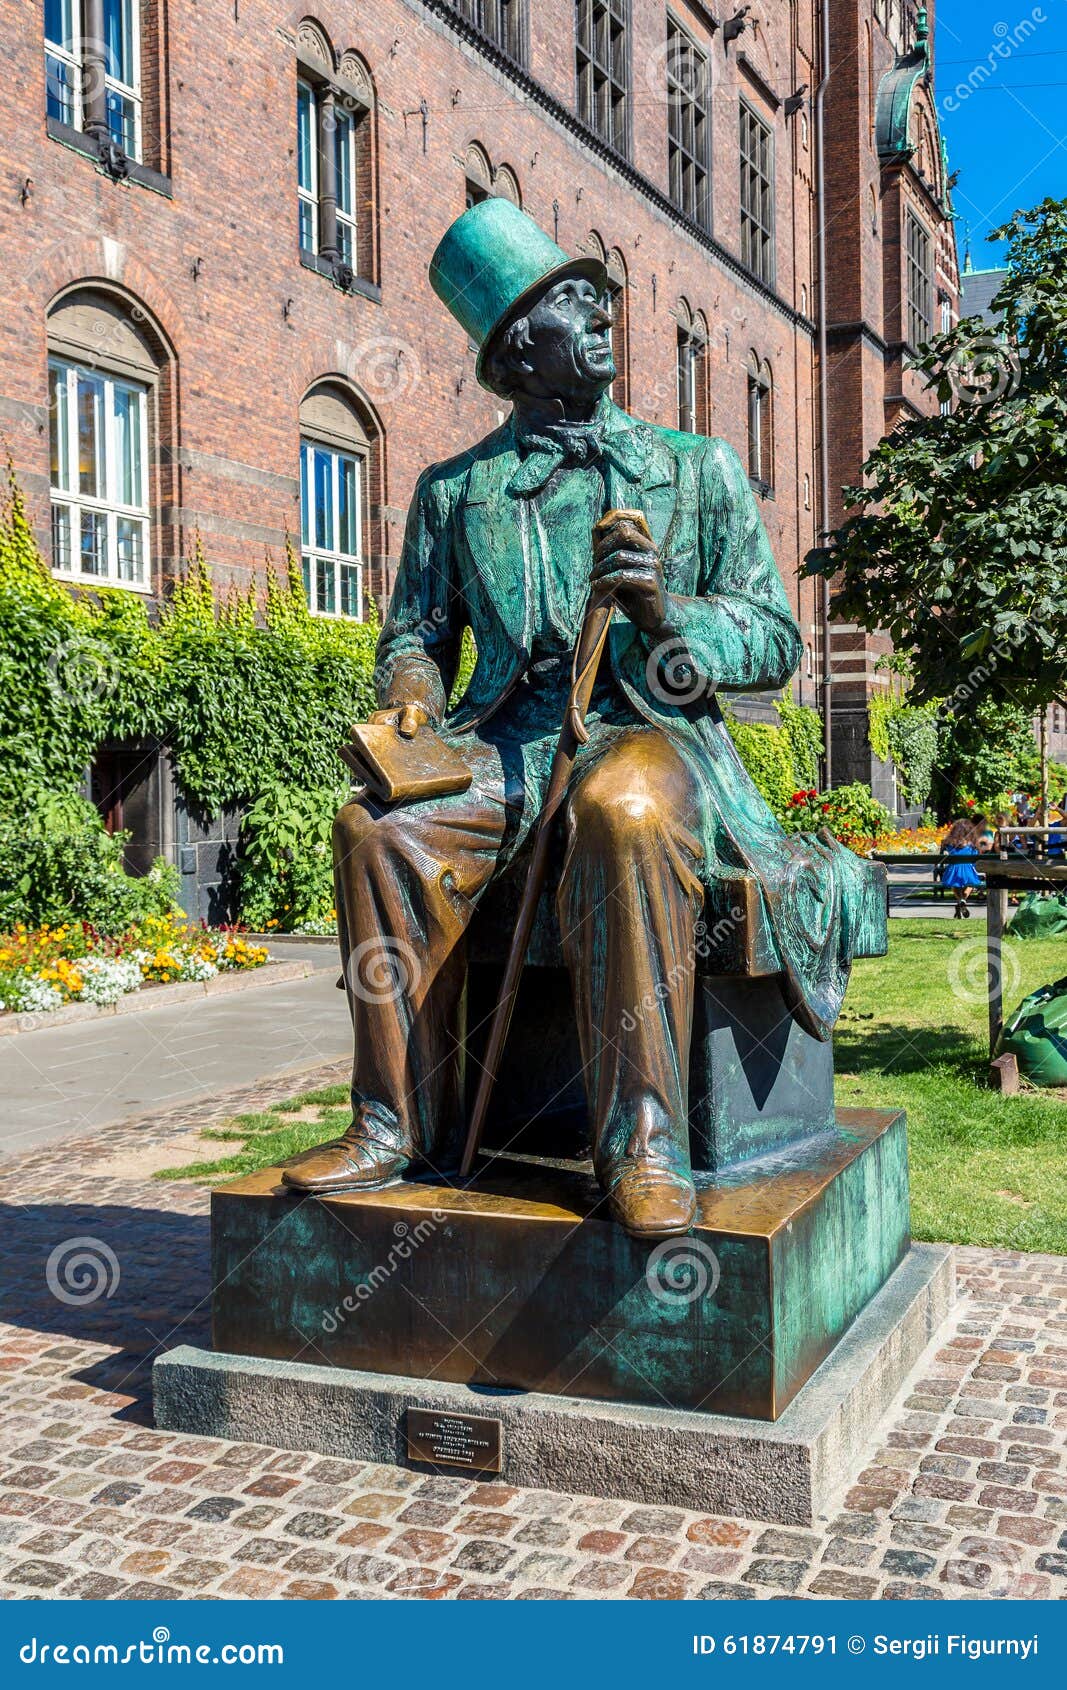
(58, 1082)
(964, 1492)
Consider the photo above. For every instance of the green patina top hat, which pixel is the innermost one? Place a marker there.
(492, 263)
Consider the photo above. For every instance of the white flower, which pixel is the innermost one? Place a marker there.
(197, 968)
(30, 995)
(106, 979)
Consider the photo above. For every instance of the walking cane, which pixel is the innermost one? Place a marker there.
(573, 734)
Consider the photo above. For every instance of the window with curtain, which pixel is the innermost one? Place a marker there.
(757, 195)
(688, 125)
(93, 82)
(331, 493)
(99, 476)
(602, 58)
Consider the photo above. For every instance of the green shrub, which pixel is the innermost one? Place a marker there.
(58, 863)
(851, 813)
(768, 759)
(287, 859)
(803, 728)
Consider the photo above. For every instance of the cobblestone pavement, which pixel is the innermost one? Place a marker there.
(964, 1492)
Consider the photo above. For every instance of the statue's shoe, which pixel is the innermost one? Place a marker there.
(653, 1202)
(350, 1163)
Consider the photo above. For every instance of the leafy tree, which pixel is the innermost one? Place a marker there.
(956, 541)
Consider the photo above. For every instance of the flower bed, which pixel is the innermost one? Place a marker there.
(43, 968)
(911, 841)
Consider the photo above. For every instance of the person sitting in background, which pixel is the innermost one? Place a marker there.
(961, 840)
(985, 833)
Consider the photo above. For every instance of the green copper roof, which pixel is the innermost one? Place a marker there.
(892, 117)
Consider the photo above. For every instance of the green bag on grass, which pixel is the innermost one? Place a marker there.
(1036, 1035)
(1040, 916)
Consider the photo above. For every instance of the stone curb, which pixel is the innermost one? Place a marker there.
(17, 1024)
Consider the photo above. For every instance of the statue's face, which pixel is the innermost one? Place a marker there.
(569, 350)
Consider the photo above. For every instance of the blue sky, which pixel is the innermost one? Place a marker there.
(1001, 87)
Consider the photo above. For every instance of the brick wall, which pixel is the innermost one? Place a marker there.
(207, 248)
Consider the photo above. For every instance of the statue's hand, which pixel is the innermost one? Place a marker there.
(407, 719)
(627, 568)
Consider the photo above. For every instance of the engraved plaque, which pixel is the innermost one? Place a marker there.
(469, 1441)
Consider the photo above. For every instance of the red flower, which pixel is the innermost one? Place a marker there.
(826, 809)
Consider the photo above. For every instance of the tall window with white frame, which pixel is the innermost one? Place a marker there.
(602, 58)
(93, 69)
(918, 282)
(688, 125)
(99, 476)
(760, 426)
(326, 174)
(757, 194)
(687, 380)
(331, 494)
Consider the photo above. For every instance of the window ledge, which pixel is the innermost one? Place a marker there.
(78, 142)
(360, 284)
(100, 583)
(762, 489)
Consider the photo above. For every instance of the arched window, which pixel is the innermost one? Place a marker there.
(482, 182)
(506, 185)
(110, 381)
(619, 301)
(478, 175)
(760, 424)
(340, 470)
(692, 367)
(335, 159)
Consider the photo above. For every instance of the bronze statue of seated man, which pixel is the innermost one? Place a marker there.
(500, 539)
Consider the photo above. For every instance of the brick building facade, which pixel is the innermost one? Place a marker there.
(218, 218)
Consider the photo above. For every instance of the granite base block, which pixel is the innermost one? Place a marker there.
(783, 1471)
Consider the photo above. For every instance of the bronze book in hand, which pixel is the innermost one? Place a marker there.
(398, 770)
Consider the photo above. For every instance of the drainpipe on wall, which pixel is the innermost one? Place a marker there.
(824, 445)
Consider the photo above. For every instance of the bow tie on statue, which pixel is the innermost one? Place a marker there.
(548, 445)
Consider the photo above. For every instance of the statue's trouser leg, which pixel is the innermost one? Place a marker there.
(407, 879)
(629, 903)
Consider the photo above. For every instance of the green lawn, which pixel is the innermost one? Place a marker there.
(985, 1169)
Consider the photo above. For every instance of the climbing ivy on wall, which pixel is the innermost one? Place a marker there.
(250, 695)
(907, 735)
